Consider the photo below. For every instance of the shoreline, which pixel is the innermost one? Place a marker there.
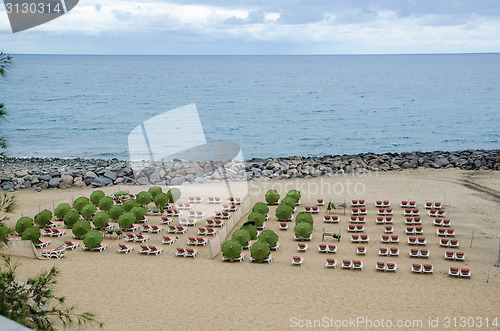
(45, 173)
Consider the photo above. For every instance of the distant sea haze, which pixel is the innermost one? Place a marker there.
(272, 106)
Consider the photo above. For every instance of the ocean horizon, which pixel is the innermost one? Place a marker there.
(271, 105)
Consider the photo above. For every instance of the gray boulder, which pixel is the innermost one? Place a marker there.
(110, 174)
(54, 182)
(102, 181)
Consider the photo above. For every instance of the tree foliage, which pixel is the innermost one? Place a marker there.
(34, 304)
(5, 61)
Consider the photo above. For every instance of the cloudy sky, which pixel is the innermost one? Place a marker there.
(264, 27)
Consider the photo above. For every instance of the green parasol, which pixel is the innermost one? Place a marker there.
(106, 203)
(61, 210)
(139, 212)
(71, 218)
(115, 212)
(120, 194)
(88, 211)
(294, 193)
(80, 202)
(257, 218)
(252, 231)
(129, 204)
(304, 217)
(260, 250)
(283, 212)
(261, 207)
(303, 230)
(270, 237)
(291, 201)
(272, 196)
(231, 249)
(173, 194)
(96, 196)
(43, 218)
(155, 190)
(80, 228)
(23, 223)
(126, 220)
(4, 232)
(160, 201)
(242, 236)
(32, 234)
(100, 219)
(144, 198)
(93, 239)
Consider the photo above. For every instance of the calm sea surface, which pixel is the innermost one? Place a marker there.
(65, 106)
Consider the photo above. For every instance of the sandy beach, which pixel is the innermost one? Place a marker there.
(164, 292)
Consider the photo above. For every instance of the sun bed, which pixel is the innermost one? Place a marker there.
(331, 249)
(322, 248)
(391, 267)
(98, 248)
(331, 219)
(454, 272)
(356, 264)
(191, 252)
(125, 248)
(168, 240)
(383, 251)
(70, 244)
(42, 243)
(428, 269)
(331, 263)
(180, 252)
(275, 247)
(283, 225)
(346, 264)
(380, 266)
(320, 202)
(141, 238)
(302, 239)
(394, 251)
(240, 258)
(144, 249)
(361, 250)
(297, 260)
(269, 259)
(166, 220)
(56, 252)
(155, 250)
(302, 247)
(464, 272)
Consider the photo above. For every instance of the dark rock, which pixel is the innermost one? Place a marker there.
(102, 181)
(110, 174)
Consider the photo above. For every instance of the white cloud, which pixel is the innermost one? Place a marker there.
(372, 28)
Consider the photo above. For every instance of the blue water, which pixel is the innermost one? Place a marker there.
(66, 106)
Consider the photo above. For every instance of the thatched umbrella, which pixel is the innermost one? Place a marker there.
(173, 194)
(115, 212)
(129, 204)
(126, 220)
(144, 198)
(88, 211)
(100, 219)
(303, 230)
(252, 231)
